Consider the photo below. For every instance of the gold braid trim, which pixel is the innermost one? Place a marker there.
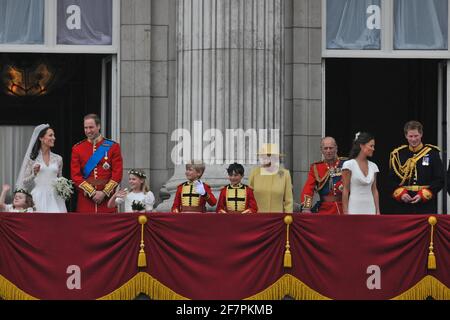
(288, 285)
(87, 188)
(8, 291)
(146, 284)
(320, 181)
(109, 188)
(407, 170)
(427, 287)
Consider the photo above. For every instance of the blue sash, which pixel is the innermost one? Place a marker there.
(96, 157)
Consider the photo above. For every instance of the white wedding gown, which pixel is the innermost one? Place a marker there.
(361, 199)
(44, 194)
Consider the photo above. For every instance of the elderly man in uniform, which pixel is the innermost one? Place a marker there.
(416, 173)
(324, 177)
(96, 168)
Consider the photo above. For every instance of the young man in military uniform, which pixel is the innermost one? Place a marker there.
(324, 177)
(96, 168)
(416, 173)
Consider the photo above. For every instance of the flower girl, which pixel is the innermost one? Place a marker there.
(22, 202)
(138, 198)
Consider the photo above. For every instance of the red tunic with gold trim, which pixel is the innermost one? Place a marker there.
(188, 200)
(326, 180)
(237, 199)
(105, 177)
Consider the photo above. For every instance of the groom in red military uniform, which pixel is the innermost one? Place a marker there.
(325, 178)
(96, 168)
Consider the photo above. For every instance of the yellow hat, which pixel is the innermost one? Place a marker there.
(270, 148)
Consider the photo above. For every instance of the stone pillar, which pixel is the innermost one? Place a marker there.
(230, 77)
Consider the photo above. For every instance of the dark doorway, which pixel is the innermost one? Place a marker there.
(75, 93)
(380, 96)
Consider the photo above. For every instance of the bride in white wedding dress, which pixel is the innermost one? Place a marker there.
(40, 169)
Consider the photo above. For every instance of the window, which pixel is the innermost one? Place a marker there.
(421, 24)
(353, 24)
(85, 22)
(22, 21)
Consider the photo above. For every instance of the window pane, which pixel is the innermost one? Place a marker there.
(22, 21)
(85, 22)
(421, 24)
(353, 24)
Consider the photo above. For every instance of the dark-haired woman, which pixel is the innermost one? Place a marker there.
(40, 169)
(359, 178)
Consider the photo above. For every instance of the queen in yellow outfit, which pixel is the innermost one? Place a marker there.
(271, 184)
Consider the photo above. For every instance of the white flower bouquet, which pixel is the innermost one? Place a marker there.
(63, 187)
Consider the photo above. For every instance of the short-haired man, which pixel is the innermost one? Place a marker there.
(416, 172)
(324, 177)
(96, 168)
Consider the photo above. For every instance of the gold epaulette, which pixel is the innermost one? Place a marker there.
(433, 146)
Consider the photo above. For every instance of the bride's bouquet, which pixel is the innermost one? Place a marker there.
(63, 187)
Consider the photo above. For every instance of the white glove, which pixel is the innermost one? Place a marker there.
(199, 187)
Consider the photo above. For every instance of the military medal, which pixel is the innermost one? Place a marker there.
(426, 160)
(106, 165)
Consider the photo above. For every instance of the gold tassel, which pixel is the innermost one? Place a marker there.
(287, 254)
(431, 257)
(142, 258)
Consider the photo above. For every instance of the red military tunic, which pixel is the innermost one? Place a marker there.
(326, 180)
(237, 199)
(105, 177)
(188, 200)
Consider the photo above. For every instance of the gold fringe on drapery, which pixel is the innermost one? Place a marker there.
(146, 284)
(9, 291)
(288, 285)
(427, 287)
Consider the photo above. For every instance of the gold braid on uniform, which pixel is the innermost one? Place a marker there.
(407, 170)
(109, 188)
(320, 181)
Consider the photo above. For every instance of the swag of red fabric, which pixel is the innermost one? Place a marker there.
(219, 256)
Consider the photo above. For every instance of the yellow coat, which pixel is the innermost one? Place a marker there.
(273, 193)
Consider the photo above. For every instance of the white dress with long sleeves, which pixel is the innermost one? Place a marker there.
(44, 194)
(361, 199)
(148, 199)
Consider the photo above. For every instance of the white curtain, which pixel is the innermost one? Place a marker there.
(22, 21)
(421, 24)
(14, 141)
(347, 25)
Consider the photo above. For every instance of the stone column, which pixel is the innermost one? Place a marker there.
(230, 77)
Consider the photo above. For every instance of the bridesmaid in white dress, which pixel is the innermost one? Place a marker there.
(359, 178)
(40, 169)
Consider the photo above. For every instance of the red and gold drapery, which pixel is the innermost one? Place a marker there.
(223, 256)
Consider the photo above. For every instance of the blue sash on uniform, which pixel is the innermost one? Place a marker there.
(96, 157)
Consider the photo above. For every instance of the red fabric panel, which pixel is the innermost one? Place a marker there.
(332, 253)
(220, 256)
(216, 256)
